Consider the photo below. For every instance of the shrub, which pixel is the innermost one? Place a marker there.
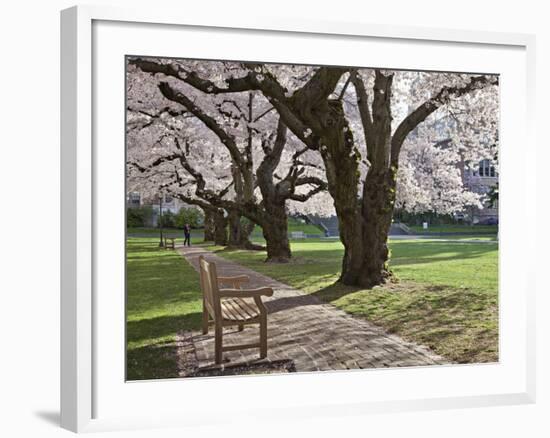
(168, 219)
(192, 216)
(138, 217)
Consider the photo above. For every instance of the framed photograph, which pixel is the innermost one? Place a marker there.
(258, 206)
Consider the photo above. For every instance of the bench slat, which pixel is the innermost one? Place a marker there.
(238, 310)
(228, 312)
(251, 309)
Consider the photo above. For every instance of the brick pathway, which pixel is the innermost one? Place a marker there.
(303, 330)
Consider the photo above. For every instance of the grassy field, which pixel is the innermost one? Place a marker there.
(293, 225)
(163, 296)
(445, 297)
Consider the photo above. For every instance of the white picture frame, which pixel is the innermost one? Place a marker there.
(81, 366)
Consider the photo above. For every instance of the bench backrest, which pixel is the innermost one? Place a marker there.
(209, 286)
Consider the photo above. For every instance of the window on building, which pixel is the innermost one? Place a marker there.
(486, 169)
(135, 198)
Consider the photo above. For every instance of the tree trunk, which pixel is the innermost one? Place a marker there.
(351, 231)
(239, 232)
(275, 231)
(209, 226)
(234, 220)
(377, 211)
(215, 226)
(366, 257)
(220, 228)
(341, 160)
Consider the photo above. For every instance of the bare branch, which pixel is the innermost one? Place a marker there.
(227, 140)
(364, 110)
(308, 195)
(206, 86)
(344, 88)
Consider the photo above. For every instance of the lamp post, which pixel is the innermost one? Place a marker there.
(161, 243)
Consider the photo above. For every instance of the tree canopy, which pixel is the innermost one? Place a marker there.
(266, 140)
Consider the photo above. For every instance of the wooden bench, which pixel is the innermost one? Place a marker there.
(171, 244)
(228, 307)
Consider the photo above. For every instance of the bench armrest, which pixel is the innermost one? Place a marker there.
(234, 280)
(246, 293)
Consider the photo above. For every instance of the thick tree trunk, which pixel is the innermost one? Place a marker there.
(365, 232)
(215, 226)
(351, 231)
(377, 211)
(220, 228)
(209, 226)
(341, 160)
(366, 258)
(275, 231)
(239, 231)
(234, 220)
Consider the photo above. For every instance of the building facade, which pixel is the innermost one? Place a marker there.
(169, 203)
(481, 179)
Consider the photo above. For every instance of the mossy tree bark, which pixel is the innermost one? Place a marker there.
(220, 228)
(215, 226)
(209, 226)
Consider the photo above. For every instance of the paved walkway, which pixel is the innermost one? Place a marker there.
(302, 330)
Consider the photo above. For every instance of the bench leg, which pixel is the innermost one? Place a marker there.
(204, 320)
(218, 343)
(263, 336)
(241, 327)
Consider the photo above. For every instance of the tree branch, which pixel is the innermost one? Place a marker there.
(206, 86)
(364, 111)
(227, 140)
(308, 195)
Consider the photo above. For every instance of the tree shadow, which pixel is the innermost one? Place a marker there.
(161, 326)
(156, 361)
(429, 252)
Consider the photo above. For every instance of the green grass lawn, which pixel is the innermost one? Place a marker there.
(460, 237)
(163, 296)
(293, 225)
(458, 229)
(445, 296)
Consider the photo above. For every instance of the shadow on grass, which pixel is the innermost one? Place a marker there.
(404, 253)
(161, 326)
(158, 361)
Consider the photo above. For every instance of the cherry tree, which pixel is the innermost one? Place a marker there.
(268, 166)
(358, 120)
(152, 168)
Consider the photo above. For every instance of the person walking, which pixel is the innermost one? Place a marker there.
(187, 233)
